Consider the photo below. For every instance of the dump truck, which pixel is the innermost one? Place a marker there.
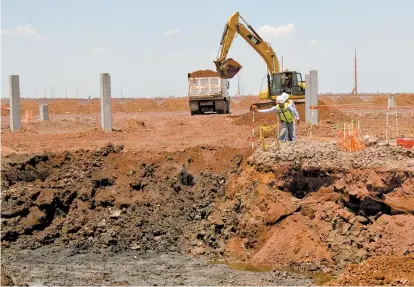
(208, 92)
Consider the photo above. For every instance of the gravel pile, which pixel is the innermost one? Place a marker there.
(328, 154)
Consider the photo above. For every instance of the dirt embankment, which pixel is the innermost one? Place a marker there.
(112, 199)
(85, 106)
(92, 106)
(312, 207)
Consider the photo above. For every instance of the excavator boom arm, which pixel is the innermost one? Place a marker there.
(234, 26)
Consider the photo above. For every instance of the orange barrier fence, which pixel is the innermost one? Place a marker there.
(28, 116)
(349, 138)
(391, 107)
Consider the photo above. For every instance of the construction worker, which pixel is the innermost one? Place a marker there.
(287, 115)
(285, 83)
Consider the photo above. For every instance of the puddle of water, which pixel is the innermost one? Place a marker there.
(322, 278)
(318, 278)
(242, 266)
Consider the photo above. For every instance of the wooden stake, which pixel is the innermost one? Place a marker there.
(252, 129)
(386, 129)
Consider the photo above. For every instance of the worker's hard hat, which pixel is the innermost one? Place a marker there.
(284, 97)
(279, 99)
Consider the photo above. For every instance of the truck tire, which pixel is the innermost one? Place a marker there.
(221, 107)
(194, 108)
(228, 107)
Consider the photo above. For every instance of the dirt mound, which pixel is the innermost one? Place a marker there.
(262, 118)
(402, 99)
(394, 271)
(134, 126)
(331, 115)
(204, 73)
(259, 119)
(286, 242)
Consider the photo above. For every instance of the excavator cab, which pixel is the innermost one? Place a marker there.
(289, 82)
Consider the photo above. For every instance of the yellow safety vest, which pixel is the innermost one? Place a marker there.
(285, 114)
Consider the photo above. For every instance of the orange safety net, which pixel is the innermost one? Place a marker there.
(349, 138)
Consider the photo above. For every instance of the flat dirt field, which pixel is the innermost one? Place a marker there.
(168, 198)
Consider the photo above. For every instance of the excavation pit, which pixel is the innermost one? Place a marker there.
(309, 207)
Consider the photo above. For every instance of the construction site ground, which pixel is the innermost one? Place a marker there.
(168, 198)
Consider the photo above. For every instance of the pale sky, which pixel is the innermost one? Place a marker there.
(148, 47)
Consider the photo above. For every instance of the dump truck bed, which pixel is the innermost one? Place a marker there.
(208, 93)
(207, 88)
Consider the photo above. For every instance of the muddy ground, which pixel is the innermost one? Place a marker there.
(166, 193)
(63, 267)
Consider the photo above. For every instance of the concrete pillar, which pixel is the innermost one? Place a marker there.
(14, 98)
(106, 109)
(44, 112)
(311, 97)
(313, 75)
(307, 99)
(391, 102)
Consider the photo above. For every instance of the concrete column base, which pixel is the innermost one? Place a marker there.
(311, 97)
(106, 104)
(44, 112)
(14, 98)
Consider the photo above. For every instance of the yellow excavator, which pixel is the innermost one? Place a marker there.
(277, 81)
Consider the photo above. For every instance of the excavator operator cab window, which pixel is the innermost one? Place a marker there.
(296, 80)
(276, 86)
(299, 80)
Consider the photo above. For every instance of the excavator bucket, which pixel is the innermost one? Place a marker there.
(229, 68)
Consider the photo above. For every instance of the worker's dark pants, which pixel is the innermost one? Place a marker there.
(288, 132)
